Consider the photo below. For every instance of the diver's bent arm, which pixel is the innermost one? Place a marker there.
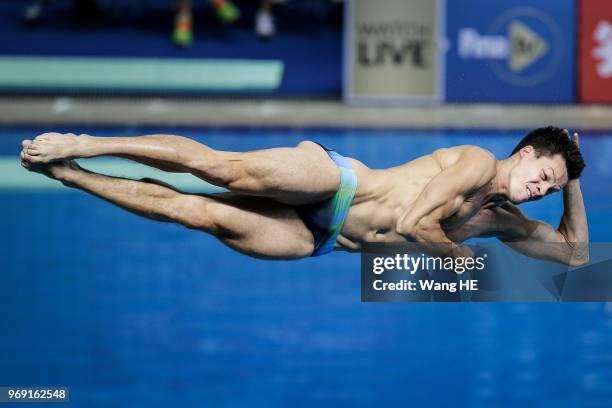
(569, 244)
(443, 196)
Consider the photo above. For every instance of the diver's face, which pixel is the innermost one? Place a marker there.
(534, 177)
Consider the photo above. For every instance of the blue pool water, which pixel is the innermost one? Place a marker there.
(130, 312)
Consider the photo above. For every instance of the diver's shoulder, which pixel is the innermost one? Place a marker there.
(473, 158)
(478, 151)
(467, 149)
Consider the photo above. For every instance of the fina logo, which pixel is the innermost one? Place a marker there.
(515, 46)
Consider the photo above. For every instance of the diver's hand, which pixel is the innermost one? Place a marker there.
(575, 137)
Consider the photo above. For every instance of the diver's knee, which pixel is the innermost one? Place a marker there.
(193, 212)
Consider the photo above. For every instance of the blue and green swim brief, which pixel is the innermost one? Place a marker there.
(325, 219)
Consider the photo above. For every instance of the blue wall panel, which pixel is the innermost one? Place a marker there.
(308, 41)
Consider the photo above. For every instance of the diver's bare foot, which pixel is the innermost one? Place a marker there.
(62, 170)
(49, 147)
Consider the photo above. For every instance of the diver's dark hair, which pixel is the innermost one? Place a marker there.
(550, 141)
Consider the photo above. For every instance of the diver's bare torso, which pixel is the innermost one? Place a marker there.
(384, 195)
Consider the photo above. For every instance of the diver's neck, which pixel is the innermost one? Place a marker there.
(498, 190)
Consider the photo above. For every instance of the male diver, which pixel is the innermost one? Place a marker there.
(294, 202)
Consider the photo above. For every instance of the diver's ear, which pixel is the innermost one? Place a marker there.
(526, 151)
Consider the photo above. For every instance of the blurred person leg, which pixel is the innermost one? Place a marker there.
(258, 227)
(264, 19)
(227, 12)
(298, 175)
(183, 24)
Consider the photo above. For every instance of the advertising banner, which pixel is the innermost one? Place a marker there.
(595, 79)
(506, 51)
(392, 50)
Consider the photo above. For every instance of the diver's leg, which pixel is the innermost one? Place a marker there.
(256, 226)
(294, 175)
